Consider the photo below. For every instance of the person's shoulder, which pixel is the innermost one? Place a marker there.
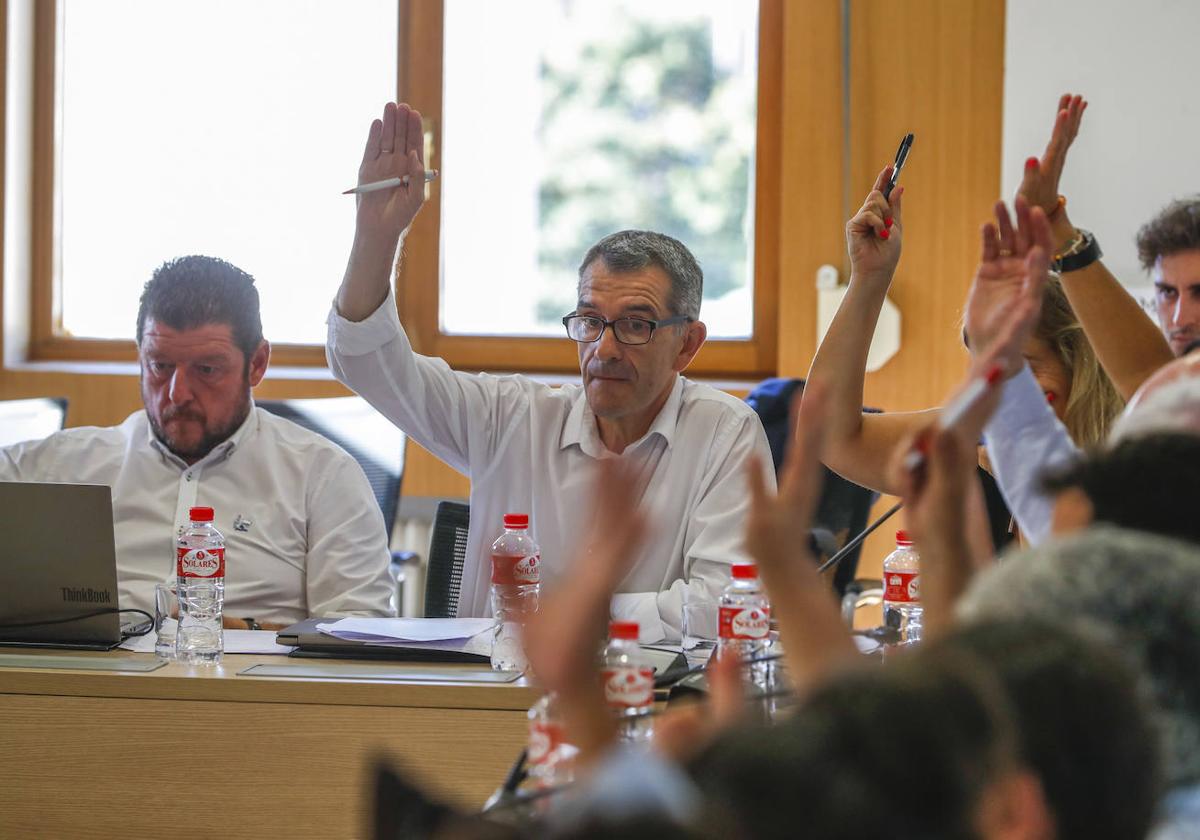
(289, 439)
(700, 397)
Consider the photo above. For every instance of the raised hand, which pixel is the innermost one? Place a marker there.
(777, 527)
(873, 235)
(1039, 187)
(395, 148)
(1013, 264)
(562, 638)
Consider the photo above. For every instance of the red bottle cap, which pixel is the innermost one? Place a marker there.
(201, 514)
(623, 630)
(745, 571)
(902, 538)
(516, 520)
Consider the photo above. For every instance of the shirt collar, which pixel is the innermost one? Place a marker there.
(580, 427)
(220, 452)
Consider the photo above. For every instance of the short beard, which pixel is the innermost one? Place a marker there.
(212, 439)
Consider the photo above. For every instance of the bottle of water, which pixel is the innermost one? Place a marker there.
(628, 682)
(200, 568)
(550, 758)
(902, 609)
(744, 622)
(516, 578)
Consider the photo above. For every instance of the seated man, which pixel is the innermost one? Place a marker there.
(530, 448)
(303, 532)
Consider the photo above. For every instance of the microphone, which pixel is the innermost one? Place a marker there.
(854, 543)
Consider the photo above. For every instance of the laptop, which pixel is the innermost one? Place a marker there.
(57, 565)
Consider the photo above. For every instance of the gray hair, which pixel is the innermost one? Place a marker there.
(1136, 592)
(1174, 407)
(631, 250)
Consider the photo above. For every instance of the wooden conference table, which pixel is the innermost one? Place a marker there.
(204, 752)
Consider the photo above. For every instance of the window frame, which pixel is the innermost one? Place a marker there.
(418, 275)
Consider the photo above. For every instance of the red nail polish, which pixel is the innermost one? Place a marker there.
(888, 221)
(883, 234)
(1030, 163)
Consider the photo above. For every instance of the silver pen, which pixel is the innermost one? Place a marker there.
(388, 183)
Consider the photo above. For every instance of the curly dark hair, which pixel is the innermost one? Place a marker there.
(189, 292)
(1176, 228)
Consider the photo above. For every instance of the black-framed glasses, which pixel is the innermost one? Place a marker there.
(588, 328)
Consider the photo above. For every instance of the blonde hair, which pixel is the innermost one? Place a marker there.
(1094, 403)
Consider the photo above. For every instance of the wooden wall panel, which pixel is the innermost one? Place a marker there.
(936, 69)
(810, 173)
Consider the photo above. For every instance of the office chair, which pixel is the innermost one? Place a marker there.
(844, 507)
(32, 419)
(447, 553)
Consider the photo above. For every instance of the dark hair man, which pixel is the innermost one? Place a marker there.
(531, 448)
(1169, 248)
(302, 529)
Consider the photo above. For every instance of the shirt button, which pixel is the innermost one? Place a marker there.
(188, 476)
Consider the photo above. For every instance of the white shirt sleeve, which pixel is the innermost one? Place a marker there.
(35, 460)
(1024, 440)
(348, 568)
(714, 542)
(456, 416)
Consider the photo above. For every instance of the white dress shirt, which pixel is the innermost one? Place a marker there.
(303, 533)
(531, 448)
(1025, 440)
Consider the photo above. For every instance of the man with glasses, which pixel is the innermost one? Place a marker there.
(530, 448)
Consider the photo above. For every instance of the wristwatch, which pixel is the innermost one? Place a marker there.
(252, 624)
(1082, 252)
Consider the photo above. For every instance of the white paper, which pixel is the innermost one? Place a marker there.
(405, 630)
(236, 641)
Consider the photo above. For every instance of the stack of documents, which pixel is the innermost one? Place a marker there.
(464, 635)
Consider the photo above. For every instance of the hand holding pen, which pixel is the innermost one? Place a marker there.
(392, 175)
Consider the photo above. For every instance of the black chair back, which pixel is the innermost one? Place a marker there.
(447, 554)
(844, 506)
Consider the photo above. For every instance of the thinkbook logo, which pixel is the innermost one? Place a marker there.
(85, 595)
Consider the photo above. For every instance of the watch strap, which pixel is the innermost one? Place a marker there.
(1083, 252)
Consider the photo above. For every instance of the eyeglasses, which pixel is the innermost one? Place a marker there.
(588, 328)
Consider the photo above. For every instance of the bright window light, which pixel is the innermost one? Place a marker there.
(219, 127)
(565, 121)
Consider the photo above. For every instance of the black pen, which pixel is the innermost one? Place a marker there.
(901, 157)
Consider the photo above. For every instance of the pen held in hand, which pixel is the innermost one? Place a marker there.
(388, 183)
(957, 409)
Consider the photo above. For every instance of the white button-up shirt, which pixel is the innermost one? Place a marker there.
(303, 534)
(530, 448)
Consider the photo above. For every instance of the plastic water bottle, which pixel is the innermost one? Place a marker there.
(744, 622)
(902, 608)
(200, 568)
(516, 579)
(551, 760)
(628, 681)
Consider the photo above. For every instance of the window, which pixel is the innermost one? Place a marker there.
(170, 127)
(224, 128)
(590, 118)
(593, 118)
